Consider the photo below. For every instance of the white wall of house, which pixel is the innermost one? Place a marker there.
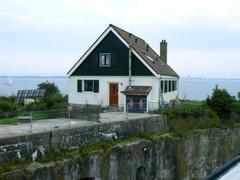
(102, 97)
(168, 96)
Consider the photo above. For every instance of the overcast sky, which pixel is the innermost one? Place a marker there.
(46, 37)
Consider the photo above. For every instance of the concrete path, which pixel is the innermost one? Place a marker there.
(51, 124)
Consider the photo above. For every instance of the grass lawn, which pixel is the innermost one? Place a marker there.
(37, 116)
(9, 120)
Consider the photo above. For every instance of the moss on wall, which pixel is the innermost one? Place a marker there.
(193, 155)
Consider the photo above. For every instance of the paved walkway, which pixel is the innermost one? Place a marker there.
(51, 124)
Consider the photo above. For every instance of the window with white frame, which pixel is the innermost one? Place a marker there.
(105, 59)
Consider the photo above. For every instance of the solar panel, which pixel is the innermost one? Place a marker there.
(29, 94)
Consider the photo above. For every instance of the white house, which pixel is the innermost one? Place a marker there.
(122, 70)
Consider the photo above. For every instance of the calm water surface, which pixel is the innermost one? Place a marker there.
(194, 89)
(10, 86)
(199, 89)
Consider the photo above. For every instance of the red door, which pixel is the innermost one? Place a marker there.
(113, 95)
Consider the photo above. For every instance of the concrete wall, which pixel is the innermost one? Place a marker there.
(102, 98)
(201, 152)
(192, 156)
(28, 145)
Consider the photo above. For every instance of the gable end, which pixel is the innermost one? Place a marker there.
(91, 50)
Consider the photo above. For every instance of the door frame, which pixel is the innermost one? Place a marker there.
(108, 94)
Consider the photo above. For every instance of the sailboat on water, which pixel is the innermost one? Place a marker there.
(9, 81)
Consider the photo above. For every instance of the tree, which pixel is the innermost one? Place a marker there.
(238, 95)
(53, 96)
(54, 99)
(221, 102)
(50, 88)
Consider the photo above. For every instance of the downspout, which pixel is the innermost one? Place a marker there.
(130, 62)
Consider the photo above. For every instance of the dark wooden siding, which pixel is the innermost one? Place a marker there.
(111, 44)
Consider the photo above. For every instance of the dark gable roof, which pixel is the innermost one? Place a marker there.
(150, 56)
(137, 90)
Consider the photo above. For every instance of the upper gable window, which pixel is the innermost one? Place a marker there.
(105, 59)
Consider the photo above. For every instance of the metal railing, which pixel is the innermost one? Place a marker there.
(68, 111)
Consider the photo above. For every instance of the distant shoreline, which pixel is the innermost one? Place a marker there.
(33, 76)
(184, 78)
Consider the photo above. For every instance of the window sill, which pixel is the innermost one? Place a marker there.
(104, 66)
(87, 92)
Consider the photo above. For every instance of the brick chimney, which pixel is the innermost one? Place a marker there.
(163, 51)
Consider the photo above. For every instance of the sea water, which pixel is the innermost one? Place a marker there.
(10, 85)
(189, 88)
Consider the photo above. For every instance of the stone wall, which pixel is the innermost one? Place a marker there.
(192, 156)
(200, 152)
(150, 158)
(32, 144)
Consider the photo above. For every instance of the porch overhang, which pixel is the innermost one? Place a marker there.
(137, 90)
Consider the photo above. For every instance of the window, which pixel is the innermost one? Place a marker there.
(96, 86)
(162, 84)
(165, 86)
(169, 86)
(91, 85)
(105, 59)
(79, 85)
(88, 85)
(174, 85)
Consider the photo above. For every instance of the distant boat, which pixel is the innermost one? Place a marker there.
(9, 82)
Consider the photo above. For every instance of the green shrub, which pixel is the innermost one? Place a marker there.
(50, 88)
(53, 95)
(7, 104)
(53, 99)
(236, 107)
(221, 102)
(186, 109)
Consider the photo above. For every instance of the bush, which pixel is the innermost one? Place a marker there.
(7, 104)
(221, 102)
(54, 99)
(194, 109)
(50, 88)
(236, 107)
(53, 96)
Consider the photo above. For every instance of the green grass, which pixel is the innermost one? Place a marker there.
(9, 120)
(193, 115)
(12, 120)
(194, 109)
(18, 164)
(82, 150)
(178, 127)
(36, 116)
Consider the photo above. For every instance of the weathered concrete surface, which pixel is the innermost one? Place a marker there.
(200, 152)
(40, 126)
(192, 156)
(25, 146)
(156, 158)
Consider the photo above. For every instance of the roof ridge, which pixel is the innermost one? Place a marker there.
(114, 26)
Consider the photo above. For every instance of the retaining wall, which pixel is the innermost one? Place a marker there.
(30, 145)
(192, 156)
